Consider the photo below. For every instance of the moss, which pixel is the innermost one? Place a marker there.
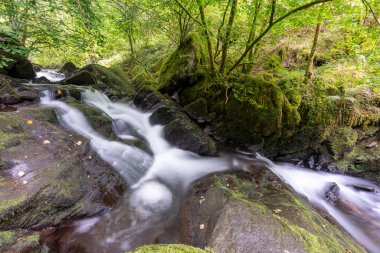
(170, 248)
(5, 204)
(178, 69)
(7, 237)
(342, 140)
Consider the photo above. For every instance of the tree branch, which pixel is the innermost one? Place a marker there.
(308, 5)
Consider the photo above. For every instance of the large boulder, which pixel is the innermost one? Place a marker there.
(55, 177)
(101, 78)
(179, 130)
(68, 68)
(230, 213)
(23, 69)
(181, 67)
(12, 92)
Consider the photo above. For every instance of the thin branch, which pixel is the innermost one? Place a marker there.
(308, 5)
(188, 13)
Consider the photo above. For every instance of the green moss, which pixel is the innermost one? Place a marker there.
(8, 203)
(342, 140)
(7, 237)
(170, 248)
(178, 69)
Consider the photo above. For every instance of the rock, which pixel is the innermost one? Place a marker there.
(12, 92)
(68, 68)
(180, 69)
(21, 241)
(82, 78)
(197, 109)
(64, 180)
(166, 248)
(103, 79)
(179, 130)
(332, 195)
(267, 217)
(22, 69)
(42, 80)
(362, 187)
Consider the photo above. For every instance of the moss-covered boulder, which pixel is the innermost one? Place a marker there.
(22, 69)
(179, 130)
(56, 178)
(197, 109)
(179, 68)
(68, 68)
(12, 92)
(231, 214)
(103, 79)
(83, 78)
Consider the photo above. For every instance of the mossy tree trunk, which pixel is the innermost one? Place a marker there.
(226, 39)
(252, 34)
(207, 36)
(309, 74)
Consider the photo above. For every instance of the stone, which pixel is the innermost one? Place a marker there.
(197, 109)
(332, 195)
(82, 78)
(23, 69)
(68, 69)
(179, 130)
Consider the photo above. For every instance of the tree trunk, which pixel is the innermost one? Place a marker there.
(206, 34)
(226, 39)
(310, 63)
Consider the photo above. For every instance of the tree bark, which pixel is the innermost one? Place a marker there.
(310, 63)
(207, 36)
(226, 39)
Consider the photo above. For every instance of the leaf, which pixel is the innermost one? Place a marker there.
(29, 122)
(46, 142)
(21, 174)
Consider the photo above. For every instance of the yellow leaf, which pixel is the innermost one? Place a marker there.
(59, 92)
(29, 122)
(46, 142)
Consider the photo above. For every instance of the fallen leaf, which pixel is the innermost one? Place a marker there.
(46, 142)
(277, 210)
(78, 143)
(202, 226)
(59, 92)
(29, 122)
(372, 144)
(24, 182)
(21, 174)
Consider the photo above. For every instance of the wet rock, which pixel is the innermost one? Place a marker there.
(332, 195)
(242, 228)
(179, 130)
(68, 68)
(83, 78)
(42, 80)
(21, 241)
(60, 180)
(197, 109)
(22, 69)
(103, 79)
(362, 187)
(268, 218)
(12, 92)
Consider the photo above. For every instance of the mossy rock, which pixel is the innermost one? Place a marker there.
(169, 248)
(257, 107)
(68, 68)
(197, 109)
(23, 69)
(83, 78)
(178, 69)
(342, 140)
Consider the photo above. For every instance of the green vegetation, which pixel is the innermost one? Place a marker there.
(170, 248)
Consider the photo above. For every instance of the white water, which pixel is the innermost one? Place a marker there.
(158, 181)
(359, 211)
(50, 74)
(160, 178)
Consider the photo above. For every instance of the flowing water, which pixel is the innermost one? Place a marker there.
(160, 176)
(50, 74)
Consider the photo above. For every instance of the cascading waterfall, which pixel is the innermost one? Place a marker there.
(161, 175)
(158, 181)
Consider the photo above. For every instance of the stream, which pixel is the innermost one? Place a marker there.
(160, 174)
